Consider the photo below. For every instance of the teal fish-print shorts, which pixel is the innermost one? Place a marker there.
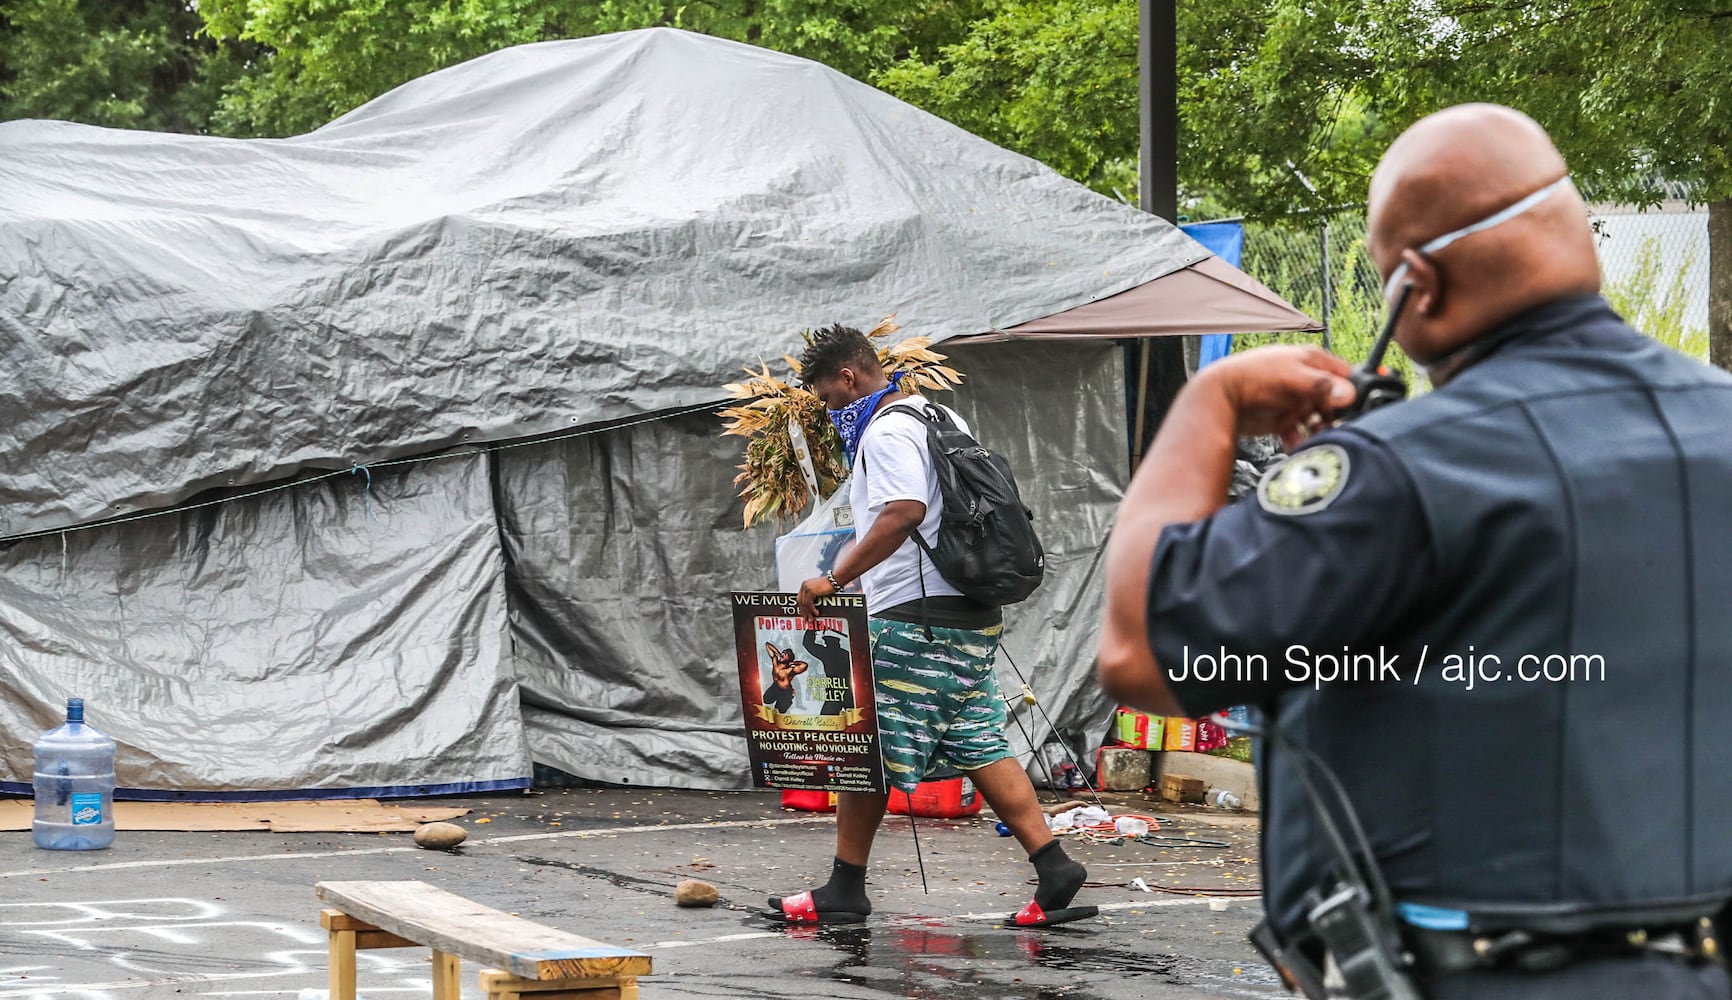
(939, 710)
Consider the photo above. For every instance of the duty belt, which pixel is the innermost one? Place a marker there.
(1442, 953)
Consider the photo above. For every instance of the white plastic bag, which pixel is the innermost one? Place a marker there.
(816, 544)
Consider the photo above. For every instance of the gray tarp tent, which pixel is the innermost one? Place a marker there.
(371, 459)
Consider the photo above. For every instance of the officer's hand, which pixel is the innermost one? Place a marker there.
(1282, 389)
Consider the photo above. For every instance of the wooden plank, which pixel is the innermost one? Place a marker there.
(337, 920)
(371, 940)
(481, 934)
(499, 981)
(445, 982)
(496, 983)
(367, 937)
(524, 990)
(342, 958)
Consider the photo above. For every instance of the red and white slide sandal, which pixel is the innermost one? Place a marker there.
(800, 910)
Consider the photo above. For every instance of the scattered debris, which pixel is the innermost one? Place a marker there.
(694, 892)
(1182, 788)
(440, 836)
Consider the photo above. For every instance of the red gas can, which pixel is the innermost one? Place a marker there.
(949, 799)
(809, 801)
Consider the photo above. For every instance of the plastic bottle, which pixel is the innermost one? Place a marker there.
(1131, 826)
(74, 786)
(1220, 798)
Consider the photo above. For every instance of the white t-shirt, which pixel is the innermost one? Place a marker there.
(894, 464)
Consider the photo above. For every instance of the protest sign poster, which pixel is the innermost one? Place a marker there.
(806, 687)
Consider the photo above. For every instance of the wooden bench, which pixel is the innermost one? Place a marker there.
(523, 956)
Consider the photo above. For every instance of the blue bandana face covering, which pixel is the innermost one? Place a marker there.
(851, 420)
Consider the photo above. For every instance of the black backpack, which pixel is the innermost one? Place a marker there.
(986, 547)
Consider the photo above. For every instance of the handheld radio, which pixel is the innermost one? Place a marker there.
(1374, 383)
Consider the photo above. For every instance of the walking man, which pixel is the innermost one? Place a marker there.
(939, 708)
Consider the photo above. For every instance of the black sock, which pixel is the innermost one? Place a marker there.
(844, 893)
(1060, 877)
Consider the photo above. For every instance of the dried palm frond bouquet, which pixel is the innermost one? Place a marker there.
(781, 420)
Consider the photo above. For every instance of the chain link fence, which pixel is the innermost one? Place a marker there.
(1321, 266)
(1655, 264)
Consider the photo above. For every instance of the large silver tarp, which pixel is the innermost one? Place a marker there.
(346, 637)
(552, 236)
(622, 547)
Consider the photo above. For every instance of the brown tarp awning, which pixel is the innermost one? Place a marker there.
(1210, 296)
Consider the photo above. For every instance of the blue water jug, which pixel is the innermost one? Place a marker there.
(74, 786)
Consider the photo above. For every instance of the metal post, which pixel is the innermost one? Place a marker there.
(1137, 441)
(1328, 283)
(1158, 59)
(1161, 363)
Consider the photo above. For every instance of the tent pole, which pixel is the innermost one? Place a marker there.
(1142, 401)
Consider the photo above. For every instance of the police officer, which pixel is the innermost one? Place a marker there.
(1500, 612)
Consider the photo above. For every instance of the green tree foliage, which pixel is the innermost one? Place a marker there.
(326, 58)
(1266, 95)
(1055, 80)
(1278, 97)
(1633, 90)
(321, 59)
(142, 65)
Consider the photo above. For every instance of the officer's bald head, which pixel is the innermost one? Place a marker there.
(1451, 170)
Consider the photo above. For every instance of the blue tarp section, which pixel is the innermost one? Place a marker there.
(1227, 241)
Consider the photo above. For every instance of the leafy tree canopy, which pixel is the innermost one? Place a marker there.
(126, 65)
(326, 58)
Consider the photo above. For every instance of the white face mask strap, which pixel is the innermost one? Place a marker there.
(1495, 219)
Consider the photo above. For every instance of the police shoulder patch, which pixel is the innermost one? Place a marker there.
(1306, 483)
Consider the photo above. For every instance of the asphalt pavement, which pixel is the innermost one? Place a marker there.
(234, 914)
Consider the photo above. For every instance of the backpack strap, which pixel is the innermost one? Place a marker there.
(937, 415)
(932, 414)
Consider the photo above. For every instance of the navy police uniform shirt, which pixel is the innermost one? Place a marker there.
(1328, 551)
(1333, 551)
(1327, 556)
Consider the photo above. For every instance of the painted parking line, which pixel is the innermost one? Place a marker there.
(364, 992)
(724, 939)
(736, 824)
(136, 984)
(1213, 902)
